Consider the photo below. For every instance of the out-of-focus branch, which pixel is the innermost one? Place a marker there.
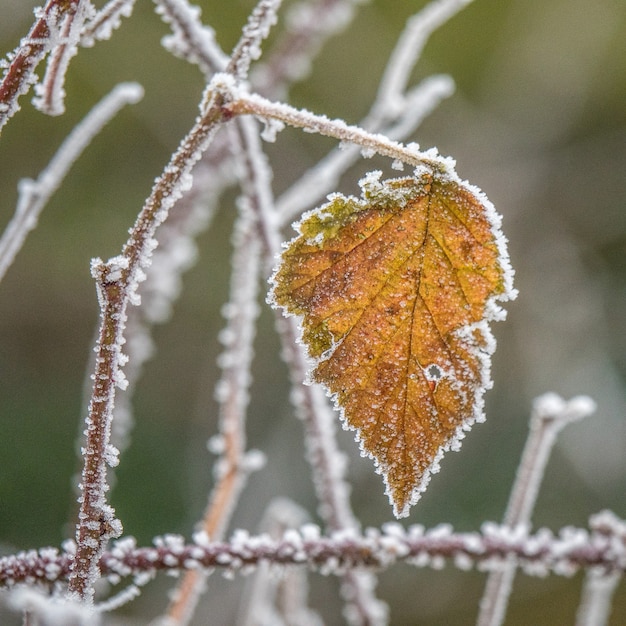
(232, 394)
(34, 194)
(550, 415)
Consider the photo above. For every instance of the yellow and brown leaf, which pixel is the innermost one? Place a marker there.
(395, 291)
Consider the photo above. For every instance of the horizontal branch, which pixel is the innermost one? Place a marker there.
(538, 554)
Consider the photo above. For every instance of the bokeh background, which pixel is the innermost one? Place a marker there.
(538, 121)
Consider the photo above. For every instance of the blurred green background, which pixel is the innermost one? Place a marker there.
(538, 122)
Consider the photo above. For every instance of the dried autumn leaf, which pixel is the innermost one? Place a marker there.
(395, 291)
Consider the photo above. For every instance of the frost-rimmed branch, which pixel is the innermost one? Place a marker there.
(58, 29)
(106, 21)
(309, 25)
(176, 253)
(117, 281)
(64, 39)
(272, 599)
(190, 39)
(248, 49)
(537, 554)
(34, 194)
(239, 102)
(550, 415)
(391, 99)
(20, 73)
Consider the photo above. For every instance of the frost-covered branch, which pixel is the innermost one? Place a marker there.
(550, 415)
(117, 281)
(20, 73)
(190, 39)
(106, 21)
(391, 99)
(176, 253)
(34, 194)
(60, 26)
(538, 554)
(248, 47)
(600, 584)
(242, 103)
(309, 24)
(272, 599)
(65, 36)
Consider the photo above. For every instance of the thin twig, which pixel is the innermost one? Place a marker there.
(600, 585)
(391, 92)
(20, 74)
(191, 39)
(105, 21)
(50, 93)
(248, 48)
(281, 599)
(309, 25)
(241, 103)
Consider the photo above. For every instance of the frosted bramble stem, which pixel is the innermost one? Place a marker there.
(20, 74)
(595, 605)
(248, 48)
(34, 194)
(176, 253)
(190, 39)
(242, 103)
(391, 92)
(65, 37)
(550, 415)
(285, 595)
(117, 282)
(537, 554)
(309, 25)
(106, 21)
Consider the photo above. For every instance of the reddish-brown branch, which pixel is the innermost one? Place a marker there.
(117, 281)
(541, 552)
(18, 77)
